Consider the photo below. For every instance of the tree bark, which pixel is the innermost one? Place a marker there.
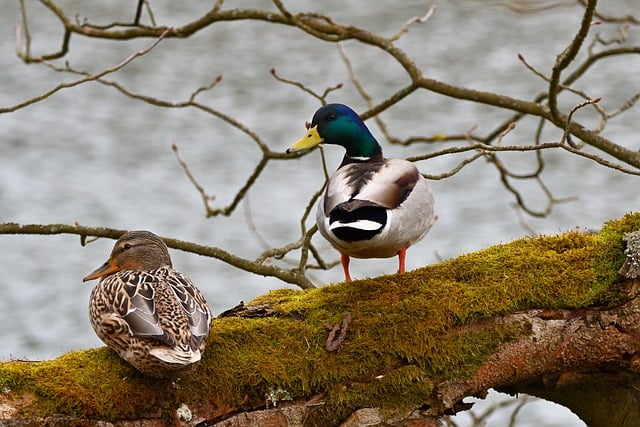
(549, 316)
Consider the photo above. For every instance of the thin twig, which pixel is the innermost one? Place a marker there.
(206, 198)
(89, 78)
(567, 56)
(136, 18)
(251, 225)
(321, 97)
(415, 20)
(27, 34)
(565, 135)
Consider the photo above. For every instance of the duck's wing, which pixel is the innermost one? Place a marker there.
(130, 295)
(193, 304)
(385, 184)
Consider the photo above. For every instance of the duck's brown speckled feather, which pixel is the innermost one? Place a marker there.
(156, 320)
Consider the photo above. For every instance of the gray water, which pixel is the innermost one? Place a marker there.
(91, 155)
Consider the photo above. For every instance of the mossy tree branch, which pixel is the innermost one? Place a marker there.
(542, 315)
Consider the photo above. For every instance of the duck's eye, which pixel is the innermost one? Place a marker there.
(332, 116)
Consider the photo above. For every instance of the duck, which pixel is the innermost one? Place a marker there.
(372, 206)
(153, 316)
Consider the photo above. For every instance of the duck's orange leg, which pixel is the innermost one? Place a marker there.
(402, 254)
(344, 258)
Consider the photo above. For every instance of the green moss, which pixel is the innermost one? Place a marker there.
(398, 391)
(398, 345)
(611, 256)
(93, 382)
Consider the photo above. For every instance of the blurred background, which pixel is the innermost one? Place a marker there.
(91, 155)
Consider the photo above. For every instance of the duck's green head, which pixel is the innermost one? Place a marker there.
(340, 125)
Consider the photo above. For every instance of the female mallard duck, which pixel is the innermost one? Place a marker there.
(153, 316)
(372, 207)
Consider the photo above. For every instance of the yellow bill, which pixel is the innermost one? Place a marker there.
(310, 139)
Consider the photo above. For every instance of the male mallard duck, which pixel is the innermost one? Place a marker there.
(372, 207)
(153, 316)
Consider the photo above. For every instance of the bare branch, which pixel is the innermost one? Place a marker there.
(415, 20)
(538, 147)
(624, 107)
(27, 34)
(321, 97)
(136, 19)
(504, 133)
(566, 57)
(565, 135)
(206, 198)
(89, 78)
(293, 276)
(615, 19)
(325, 28)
